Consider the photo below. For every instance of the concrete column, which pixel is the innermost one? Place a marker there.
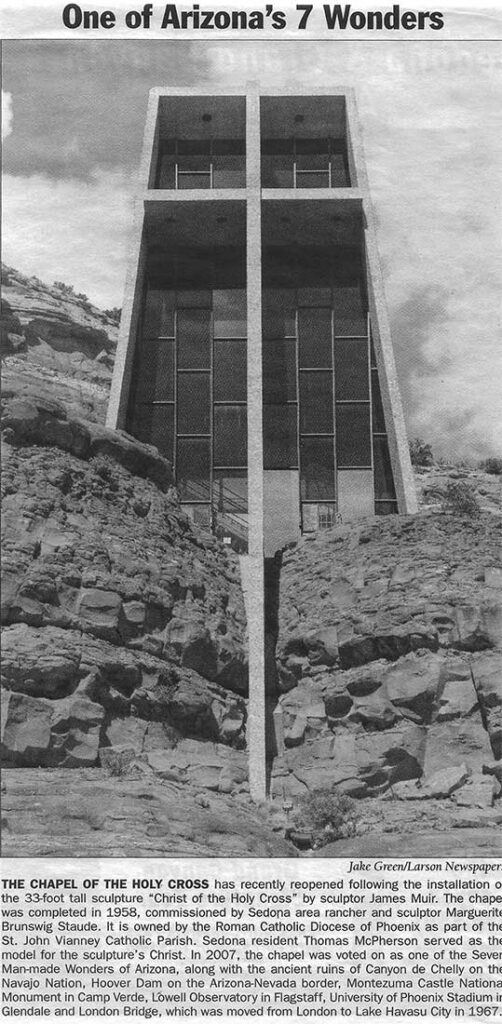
(255, 562)
(131, 311)
(382, 341)
(136, 260)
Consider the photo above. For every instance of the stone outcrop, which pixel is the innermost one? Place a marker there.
(134, 810)
(56, 329)
(389, 659)
(124, 625)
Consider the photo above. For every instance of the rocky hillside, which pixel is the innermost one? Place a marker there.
(125, 651)
(57, 341)
(389, 662)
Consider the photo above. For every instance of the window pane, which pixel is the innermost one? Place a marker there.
(166, 174)
(351, 369)
(189, 299)
(230, 492)
(154, 424)
(317, 469)
(312, 162)
(348, 299)
(353, 442)
(155, 371)
(314, 297)
(372, 354)
(193, 163)
(312, 179)
(384, 481)
(279, 317)
(279, 371)
(339, 176)
(193, 331)
(193, 403)
(277, 171)
(378, 413)
(229, 380)
(351, 327)
(159, 314)
(230, 435)
(192, 470)
(316, 403)
(188, 180)
(280, 436)
(229, 172)
(230, 313)
(314, 335)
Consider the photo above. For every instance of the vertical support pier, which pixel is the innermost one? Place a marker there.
(256, 733)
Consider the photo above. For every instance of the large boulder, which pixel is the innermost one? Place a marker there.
(130, 686)
(360, 763)
(208, 766)
(487, 676)
(35, 419)
(49, 733)
(413, 683)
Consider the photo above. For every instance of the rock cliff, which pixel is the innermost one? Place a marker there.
(388, 659)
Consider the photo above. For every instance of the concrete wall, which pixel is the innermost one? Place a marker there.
(355, 494)
(255, 570)
(281, 508)
(382, 341)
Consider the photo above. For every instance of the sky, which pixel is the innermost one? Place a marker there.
(431, 115)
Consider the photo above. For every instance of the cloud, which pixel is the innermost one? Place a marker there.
(7, 114)
(70, 231)
(82, 105)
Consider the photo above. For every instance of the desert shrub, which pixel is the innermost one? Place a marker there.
(492, 465)
(117, 763)
(328, 814)
(113, 314)
(460, 499)
(420, 453)
(106, 470)
(67, 289)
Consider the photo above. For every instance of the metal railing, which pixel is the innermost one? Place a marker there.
(231, 519)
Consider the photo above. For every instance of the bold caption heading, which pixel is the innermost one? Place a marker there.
(173, 18)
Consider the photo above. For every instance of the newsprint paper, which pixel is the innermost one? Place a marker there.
(251, 716)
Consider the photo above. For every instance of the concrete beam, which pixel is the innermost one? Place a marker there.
(256, 740)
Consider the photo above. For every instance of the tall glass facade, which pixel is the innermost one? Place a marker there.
(325, 446)
(189, 394)
(317, 413)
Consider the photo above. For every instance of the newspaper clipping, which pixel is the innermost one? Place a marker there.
(251, 553)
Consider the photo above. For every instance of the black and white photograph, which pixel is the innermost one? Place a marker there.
(251, 372)
(251, 703)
